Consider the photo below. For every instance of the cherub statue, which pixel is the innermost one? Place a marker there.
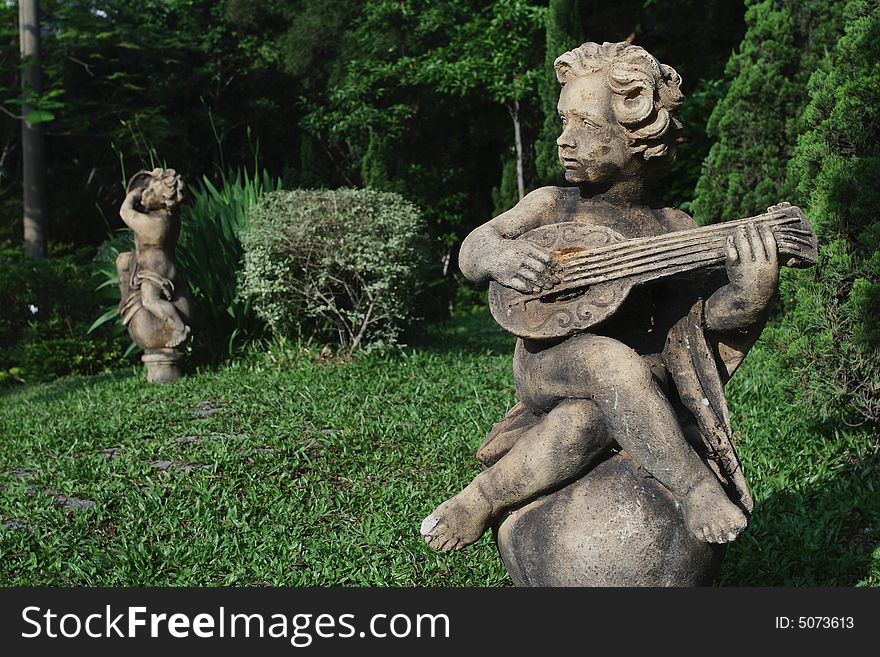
(621, 384)
(155, 305)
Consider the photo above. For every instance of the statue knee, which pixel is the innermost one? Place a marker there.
(618, 363)
(578, 423)
(123, 262)
(612, 367)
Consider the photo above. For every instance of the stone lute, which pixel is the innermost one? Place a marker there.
(599, 267)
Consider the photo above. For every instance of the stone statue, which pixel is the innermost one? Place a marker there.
(617, 467)
(155, 305)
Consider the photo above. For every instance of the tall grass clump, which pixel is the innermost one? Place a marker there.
(341, 266)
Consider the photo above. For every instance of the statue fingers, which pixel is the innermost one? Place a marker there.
(538, 254)
(769, 241)
(743, 246)
(166, 287)
(755, 242)
(730, 250)
(147, 275)
(546, 277)
(521, 285)
(528, 275)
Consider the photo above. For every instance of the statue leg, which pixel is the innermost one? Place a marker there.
(641, 420)
(556, 451)
(151, 298)
(123, 272)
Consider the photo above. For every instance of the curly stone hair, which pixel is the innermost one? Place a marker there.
(171, 187)
(647, 94)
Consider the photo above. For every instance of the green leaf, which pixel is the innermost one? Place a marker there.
(103, 319)
(39, 116)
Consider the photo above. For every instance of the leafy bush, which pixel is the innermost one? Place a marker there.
(45, 310)
(343, 265)
(209, 255)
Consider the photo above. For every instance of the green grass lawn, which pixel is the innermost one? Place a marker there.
(288, 469)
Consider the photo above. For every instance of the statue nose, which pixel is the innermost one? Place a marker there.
(565, 140)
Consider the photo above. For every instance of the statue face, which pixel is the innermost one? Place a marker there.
(151, 198)
(155, 196)
(593, 148)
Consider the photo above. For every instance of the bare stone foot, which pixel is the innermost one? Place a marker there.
(710, 515)
(457, 522)
(180, 332)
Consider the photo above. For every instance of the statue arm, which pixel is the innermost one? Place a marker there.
(137, 221)
(737, 313)
(492, 251)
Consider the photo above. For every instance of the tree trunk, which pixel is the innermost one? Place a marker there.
(513, 108)
(33, 153)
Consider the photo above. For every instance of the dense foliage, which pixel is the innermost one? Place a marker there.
(131, 85)
(832, 336)
(756, 123)
(345, 264)
(413, 97)
(46, 307)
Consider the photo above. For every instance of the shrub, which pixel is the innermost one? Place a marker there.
(831, 336)
(209, 256)
(45, 310)
(343, 265)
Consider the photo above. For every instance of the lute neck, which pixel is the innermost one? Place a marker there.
(646, 259)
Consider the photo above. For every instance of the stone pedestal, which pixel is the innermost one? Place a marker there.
(163, 365)
(616, 526)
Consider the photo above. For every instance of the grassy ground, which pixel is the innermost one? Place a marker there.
(286, 469)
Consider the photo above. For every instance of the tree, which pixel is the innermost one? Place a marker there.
(756, 123)
(394, 113)
(32, 142)
(830, 337)
(496, 52)
(562, 33)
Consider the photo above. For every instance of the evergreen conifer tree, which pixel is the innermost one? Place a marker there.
(831, 338)
(756, 124)
(563, 29)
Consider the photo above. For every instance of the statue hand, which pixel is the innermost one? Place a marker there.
(524, 267)
(133, 197)
(752, 267)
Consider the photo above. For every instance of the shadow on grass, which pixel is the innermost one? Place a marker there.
(824, 536)
(47, 392)
(472, 332)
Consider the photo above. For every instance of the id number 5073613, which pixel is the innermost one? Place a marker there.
(815, 622)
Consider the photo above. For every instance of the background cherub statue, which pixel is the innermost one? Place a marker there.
(647, 380)
(155, 305)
